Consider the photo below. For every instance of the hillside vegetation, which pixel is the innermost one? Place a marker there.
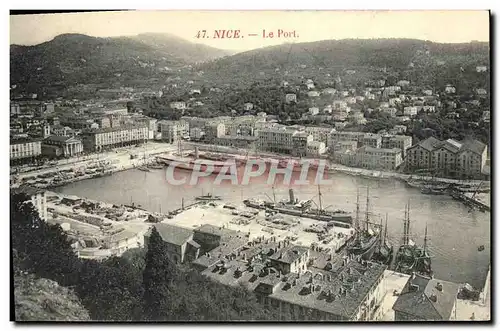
(39, 299)
(71, 59)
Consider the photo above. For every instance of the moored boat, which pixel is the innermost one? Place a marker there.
(410, 257)
(365, 241)
(208, 197)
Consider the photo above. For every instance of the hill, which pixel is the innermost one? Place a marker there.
(39, 299)
(71, 59)
(180, 48)
(334, 56)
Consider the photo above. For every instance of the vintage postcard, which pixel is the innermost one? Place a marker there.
(250, 166)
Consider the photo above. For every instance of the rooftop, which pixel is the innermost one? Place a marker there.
(340, 293)
(430, 299)
(289, 254)
(379, 150)
(61, 139)
(120, 128)
(218, 231)
(172, 234)
(16, 141)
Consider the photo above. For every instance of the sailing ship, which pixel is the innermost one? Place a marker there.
(365, 241)
(410, 257)
(385, 251)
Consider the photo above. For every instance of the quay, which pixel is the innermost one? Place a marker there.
(97, 165)
(333, 167)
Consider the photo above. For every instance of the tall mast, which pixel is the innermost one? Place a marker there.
(408, 222)
(405, 227)
(385, 231)
(356, 224)
(319, 195)
(425, 239)
(274, 195)
(382, 239)
(367, 207)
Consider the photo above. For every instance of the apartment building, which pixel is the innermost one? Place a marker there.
(316, 148)
(15, 109)
(79, 123)
(25, 150)
(327, 288)
(108, 138)
(179, 105)
(319, 133)
(237, 141)
(242, 125)
(336, 136)
(150, 123)
(196, 133)
(448, 158)
(371, 140)
(363, 138)
(397, 141)
(285, 140)
(378, 158)
(195, 122)
(104, 122)
(411, 111)
(170, 131)
(214, 130)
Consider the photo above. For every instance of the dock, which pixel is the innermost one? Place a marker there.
(471, 201)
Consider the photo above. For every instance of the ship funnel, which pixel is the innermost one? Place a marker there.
(196, 152)
(292, 197)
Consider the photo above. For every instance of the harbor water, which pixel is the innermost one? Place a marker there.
(454, 231)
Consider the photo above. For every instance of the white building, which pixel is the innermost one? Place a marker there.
(179, 105)
(248, 106)
(25, 149)
(36, 196)
(316, 148)
(313, 111)
(481, 91)
(329, 90)
(449, 89)
(481, 68)
(339, 104)
(403, 83)
(290, 97)
(410, 111)
(428, 109)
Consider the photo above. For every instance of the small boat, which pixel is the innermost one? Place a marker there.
(156, 166)
(480, 248)
(208, 197)
(143, 168)
(432, 191)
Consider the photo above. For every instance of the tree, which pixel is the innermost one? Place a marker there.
(41, 248)
(158, 277)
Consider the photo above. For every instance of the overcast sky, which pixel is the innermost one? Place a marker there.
(438, 26)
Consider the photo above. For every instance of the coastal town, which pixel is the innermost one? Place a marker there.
(309, 257)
